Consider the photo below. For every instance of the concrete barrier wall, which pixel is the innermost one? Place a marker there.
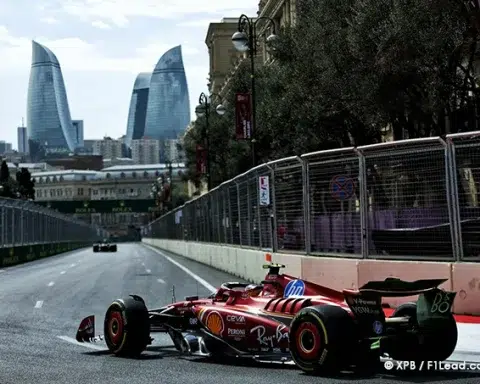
(10, 256)
(336, 273)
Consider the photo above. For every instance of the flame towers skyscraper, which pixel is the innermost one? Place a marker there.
(49, 123)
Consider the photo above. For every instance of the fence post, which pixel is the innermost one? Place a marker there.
(2, 224)
(306, 205)
(363, 200)
(259, 212)
(239, 213)
(453, 199)
(273, 210)
(249, 213)
(230, 221)
(22, 226)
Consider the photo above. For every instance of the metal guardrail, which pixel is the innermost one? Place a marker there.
(411, 199)
(26, 223)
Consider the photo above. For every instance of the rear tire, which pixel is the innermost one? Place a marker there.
(321, 339)
(95, 249)
(433, 344)
(127, 327)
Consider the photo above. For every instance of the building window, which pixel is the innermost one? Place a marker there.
(145, 174)
(80, 192)
(122, 175)
(134, 174)
(108, 175)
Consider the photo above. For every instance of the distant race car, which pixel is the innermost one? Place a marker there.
(291, 320)
(105, 246)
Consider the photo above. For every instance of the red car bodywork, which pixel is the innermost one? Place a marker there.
(258, 323)
(239, 320)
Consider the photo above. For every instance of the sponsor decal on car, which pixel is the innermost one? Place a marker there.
(361, 306)
(214, 323)
(236, 333)
(237, 319)
(295, 288)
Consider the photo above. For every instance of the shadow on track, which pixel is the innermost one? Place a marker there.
(168, 351)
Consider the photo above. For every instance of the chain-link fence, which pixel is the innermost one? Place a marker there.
(26, 223)
(414, 199)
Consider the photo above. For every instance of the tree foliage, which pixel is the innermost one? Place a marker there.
(21, 187)
(347, 70)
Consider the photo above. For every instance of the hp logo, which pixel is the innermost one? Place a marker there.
(295, 288)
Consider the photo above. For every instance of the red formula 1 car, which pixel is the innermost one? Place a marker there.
(286, 318)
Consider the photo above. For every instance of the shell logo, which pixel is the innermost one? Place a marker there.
(214, 323)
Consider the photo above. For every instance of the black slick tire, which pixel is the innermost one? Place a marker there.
(432, 344)
(127, 327)
(321, 339)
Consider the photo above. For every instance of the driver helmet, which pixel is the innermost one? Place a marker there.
(253, 290)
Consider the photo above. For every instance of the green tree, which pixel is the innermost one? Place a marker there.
(25, 184)
(7, 186)
(228, 157)
(412, 62)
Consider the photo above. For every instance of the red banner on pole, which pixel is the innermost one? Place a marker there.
(243, 116)
(201, 153)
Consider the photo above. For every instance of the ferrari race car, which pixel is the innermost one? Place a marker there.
(105, 246)
(291, 320)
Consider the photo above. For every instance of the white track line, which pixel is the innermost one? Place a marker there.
(148, 270)
(51, 283)
(143, 264)
(71, 340)
(184, 269)
(2, 270)
(38, 304)
(73, 265)
(63, 272)
(161, 281)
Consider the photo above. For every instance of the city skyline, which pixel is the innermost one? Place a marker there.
(101, 50)
(137, 112)
(168, 108)
(49, 122)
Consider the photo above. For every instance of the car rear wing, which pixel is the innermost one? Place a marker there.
(434, 305)
(394, 287)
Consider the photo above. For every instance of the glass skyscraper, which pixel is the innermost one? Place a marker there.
(137, 113)
(168, 110)
(49, 124)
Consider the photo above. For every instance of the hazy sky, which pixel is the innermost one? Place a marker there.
(101, 46)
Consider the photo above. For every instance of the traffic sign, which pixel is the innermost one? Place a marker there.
(264, 190)
(342, 187)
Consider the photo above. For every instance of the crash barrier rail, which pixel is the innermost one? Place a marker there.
(413, 199)
(29, 231)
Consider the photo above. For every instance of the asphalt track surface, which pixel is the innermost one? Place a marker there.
(42, 301)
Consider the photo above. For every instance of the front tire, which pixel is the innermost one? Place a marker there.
(127, 327)
(321, 339)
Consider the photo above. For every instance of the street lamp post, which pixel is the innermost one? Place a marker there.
(203, 109)
(245, 40)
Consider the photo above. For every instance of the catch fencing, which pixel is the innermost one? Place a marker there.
(413, 199)
(25, 223)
